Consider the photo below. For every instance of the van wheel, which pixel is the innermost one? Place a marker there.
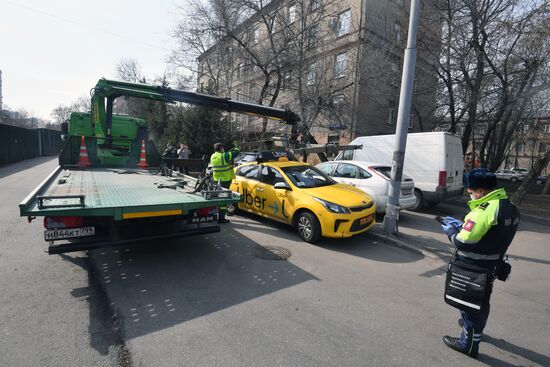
(308, 227)
(419, 201)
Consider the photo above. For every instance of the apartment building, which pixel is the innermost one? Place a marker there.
(336, 63)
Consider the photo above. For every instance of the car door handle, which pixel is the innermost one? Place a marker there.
(259, 189)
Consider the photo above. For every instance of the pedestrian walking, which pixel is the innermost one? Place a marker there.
(481, 243)
(222, 171)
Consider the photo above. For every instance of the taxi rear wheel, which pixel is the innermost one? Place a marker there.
(308, 227)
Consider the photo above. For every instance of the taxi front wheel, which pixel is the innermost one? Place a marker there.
(308, 227)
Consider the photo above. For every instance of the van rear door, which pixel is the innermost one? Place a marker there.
(454, 162)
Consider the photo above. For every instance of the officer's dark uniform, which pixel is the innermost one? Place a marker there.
(484, 237)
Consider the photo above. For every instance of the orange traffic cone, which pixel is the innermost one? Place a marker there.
(142, 158)
(83, 159)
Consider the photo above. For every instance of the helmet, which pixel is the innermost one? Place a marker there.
(481, 178)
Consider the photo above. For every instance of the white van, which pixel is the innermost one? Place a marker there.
(433, 160)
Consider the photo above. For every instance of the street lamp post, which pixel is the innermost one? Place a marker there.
(403, 115)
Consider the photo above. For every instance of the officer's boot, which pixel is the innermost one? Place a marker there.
(468, 343)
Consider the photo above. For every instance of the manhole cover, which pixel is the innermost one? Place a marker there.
(272, 252)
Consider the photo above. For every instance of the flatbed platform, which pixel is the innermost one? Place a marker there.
(116, 192)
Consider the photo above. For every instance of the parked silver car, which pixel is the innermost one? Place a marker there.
(510, 174)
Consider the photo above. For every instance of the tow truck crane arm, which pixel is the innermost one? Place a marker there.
(106, 91)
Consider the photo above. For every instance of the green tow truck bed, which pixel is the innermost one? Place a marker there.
(113, 198)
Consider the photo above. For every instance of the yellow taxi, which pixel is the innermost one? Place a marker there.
(303, 196)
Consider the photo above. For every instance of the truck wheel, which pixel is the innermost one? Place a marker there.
(308, 227)
(232, 209)
(419, 201)
(539, 182)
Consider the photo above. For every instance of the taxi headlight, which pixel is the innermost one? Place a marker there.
(333, 208)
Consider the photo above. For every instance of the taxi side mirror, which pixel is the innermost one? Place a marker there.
(282, 185)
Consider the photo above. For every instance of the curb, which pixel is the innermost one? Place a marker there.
(395, 241)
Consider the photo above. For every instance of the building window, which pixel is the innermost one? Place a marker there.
(240, 68)
(397, 29)
(291, 13)
(287, 78)
(311, 75)
(238, 121)
(312, 36)
(252, 93)
(394, 74)
(547, 128)
(525, 128)
(391, 116)
(520, 147)
(412, 117)
(344, 22)
(333, 139)
(340, 65)
(255, 35)
(308, 113)
(338, 100)
(315, 4)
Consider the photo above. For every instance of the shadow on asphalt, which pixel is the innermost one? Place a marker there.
(508, 347)
(360, 245)
(102, 328)
(369, 248)
(12, 168)
(159, 285)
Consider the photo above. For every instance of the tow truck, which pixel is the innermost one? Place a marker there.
(108, 189)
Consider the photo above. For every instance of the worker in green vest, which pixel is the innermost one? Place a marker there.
(222, 171)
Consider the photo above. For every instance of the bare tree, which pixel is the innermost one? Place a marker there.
(493, 61)
(259, 50)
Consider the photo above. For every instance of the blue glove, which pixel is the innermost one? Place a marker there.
(449, 229)
(453, 222)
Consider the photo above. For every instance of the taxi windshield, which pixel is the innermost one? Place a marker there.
(306, 177)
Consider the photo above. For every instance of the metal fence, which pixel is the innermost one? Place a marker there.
(17, 143)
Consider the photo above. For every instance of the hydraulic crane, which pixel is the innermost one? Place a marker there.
(106, 91)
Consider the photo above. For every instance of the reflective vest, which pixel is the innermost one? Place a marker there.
(222, 168)
(489, 228)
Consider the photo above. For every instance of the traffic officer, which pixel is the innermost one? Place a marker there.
(222, 171)
(482, 240)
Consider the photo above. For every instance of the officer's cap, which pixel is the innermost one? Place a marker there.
(481, 178)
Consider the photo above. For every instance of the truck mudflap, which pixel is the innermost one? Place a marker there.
(96, 244)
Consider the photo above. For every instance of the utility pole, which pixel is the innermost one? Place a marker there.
(403, 115)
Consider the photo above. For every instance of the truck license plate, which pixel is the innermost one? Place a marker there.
(406, 192)
(59, 234)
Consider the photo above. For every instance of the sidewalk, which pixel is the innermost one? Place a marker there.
(419, 232)
(534, 208)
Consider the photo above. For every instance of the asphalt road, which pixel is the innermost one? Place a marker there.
(52, 311)
(209, 301)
